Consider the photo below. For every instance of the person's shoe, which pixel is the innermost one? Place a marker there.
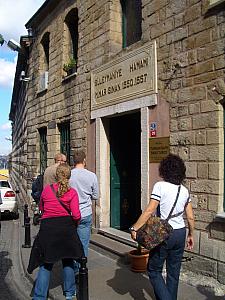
(71, 298)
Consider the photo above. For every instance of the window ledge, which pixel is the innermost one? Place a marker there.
(220, 216)
(213, 3)
(41, 92)
(68, 77)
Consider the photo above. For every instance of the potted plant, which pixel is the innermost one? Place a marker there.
(70, 67)
(139, 259)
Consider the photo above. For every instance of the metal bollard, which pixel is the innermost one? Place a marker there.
(27, 243)
(25, 214)
(83, 279)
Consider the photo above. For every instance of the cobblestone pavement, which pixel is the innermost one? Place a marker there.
(8, 290)
(12, 282)
(5, 262)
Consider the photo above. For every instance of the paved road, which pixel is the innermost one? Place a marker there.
(8, 290)
(108, 278)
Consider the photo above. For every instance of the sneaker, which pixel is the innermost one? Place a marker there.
(71, 297)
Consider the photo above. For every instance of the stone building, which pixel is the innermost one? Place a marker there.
(129, 82)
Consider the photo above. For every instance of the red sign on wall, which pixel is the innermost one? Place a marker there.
(152, 129)
(152, 133)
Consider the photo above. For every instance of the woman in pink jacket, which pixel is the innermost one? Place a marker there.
(57, 238)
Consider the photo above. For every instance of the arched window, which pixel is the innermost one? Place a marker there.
(45, 51)
(131, 21)
(70, 50)
(44, 62)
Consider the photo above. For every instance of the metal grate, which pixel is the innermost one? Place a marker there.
(43, 149)
(64, 129)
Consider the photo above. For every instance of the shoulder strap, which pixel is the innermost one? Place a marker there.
(177, 214)
(175, 202)
(63, 205)
(41, 203)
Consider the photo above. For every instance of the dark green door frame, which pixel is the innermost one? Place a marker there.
(125, 170)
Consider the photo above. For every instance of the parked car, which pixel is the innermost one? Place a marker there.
(9, 203)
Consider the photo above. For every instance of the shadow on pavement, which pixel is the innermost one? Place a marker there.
(6, 264)
(209, 293)
(136, 285)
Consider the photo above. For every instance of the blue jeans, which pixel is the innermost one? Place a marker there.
(43, 278)
(170, 252)
(84, 233)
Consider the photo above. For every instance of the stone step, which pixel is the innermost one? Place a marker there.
(110, 247)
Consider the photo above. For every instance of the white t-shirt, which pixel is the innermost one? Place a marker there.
(166, 193)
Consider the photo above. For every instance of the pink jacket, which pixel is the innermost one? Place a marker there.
(51, 207)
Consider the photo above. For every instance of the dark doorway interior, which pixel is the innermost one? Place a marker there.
(125, 170)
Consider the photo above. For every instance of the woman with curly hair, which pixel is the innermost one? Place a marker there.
(57, 238)
(172, 170)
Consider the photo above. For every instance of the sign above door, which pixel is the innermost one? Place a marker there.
(130, 76)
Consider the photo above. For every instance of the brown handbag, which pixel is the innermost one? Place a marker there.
(155, 231)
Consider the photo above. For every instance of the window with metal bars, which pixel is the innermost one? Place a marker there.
(131, 21)
(64, 129)
(43, 149)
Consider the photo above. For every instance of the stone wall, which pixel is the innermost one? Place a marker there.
(190, 54)
(18, 158)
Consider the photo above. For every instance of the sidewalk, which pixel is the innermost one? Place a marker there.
(109, 279)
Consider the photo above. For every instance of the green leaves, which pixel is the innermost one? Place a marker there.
(70, 65)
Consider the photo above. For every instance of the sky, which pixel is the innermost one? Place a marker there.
(14, 14)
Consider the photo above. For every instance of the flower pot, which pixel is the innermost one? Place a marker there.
(71, 71)
(139, 261)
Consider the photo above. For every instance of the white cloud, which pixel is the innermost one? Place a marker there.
(14, 15)
(5, 146)
(5, 150)
(5, 126)
(7, 72)
(5, 138)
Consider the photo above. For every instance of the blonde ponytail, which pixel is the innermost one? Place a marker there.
(63, 173)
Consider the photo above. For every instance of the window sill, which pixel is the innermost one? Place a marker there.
(213, 3)
(41, 92)
(68, 77)
(220, 216)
